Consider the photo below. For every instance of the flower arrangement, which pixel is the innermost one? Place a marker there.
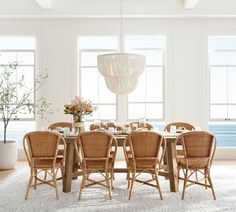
(79, 108)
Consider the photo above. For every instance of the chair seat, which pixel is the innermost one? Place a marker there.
(47, 163)
(98, 164)
(142, 164)
(194, 163)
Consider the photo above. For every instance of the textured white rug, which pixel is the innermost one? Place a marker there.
(144, 198)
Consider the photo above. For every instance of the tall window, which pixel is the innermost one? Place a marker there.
(92, 85)
(222, 67)
(20, 50)
(222, 52)
(147, 100)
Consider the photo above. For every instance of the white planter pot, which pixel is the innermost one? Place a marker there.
(8, 155)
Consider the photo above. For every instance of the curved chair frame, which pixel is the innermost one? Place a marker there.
(41, 149)
(143, 154)
(95, 158)
(198, 152)
(187, 126)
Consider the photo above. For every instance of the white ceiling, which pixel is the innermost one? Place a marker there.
(111, 8)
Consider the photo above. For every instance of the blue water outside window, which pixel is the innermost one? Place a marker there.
(225, 134)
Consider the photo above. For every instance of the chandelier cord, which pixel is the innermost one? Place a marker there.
(121, 26)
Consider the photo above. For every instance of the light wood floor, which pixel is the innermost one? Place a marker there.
(20, 164)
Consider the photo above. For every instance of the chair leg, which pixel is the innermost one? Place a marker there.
(82, 185)
(196, 176)
(158, 185)
(55, 183)
(128, 178)
(62, 173)
(113, 175)
(112, 178)
(108, 184)
(35, 178)
(132, 183)
(210, 182)
(45, 175)
(185, 182)
(28, 187)
(205, 176)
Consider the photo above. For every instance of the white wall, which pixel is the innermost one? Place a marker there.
(186, 68)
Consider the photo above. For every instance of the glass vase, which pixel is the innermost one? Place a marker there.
(78, 124)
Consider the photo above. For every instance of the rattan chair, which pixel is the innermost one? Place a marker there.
(136, 125)
(60, 124)
(53, 126)
(178, 125)
(199, 148)
(106, 126)
(143, 154)
(95, 152)
(41, 149)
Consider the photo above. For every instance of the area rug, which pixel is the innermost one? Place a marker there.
(144, 198)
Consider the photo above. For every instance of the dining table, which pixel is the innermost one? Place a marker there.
(169, 170)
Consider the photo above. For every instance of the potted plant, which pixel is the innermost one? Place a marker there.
(11, 104)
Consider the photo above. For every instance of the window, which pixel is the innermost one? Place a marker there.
(147, 100)
(222, 64)
(92, 83)
(12, 50)
(20, 50)
(222, 68)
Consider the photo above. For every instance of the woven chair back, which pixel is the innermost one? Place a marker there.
(60, 124)
(138, 125)
(145, 143)
(43, 143)
(95, 144)
(187, 126)
(198, 144)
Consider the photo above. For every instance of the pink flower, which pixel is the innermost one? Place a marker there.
(79, 107)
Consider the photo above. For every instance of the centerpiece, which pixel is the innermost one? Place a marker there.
(79, 108)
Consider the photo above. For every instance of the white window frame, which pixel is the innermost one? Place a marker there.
(34, 67)
(80, 84)
(163, 86)
(226, 66)
(122, 100)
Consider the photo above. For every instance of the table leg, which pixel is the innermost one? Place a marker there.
(69, 162)
(172, 167)
(75, 166)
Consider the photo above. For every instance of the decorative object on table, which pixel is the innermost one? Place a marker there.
(142, 122)
(13, 103)
(137, 125)
(60, 124)
(79, 108)
(121, 70)
(172, 129)
(98, 125)
(180, 126)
